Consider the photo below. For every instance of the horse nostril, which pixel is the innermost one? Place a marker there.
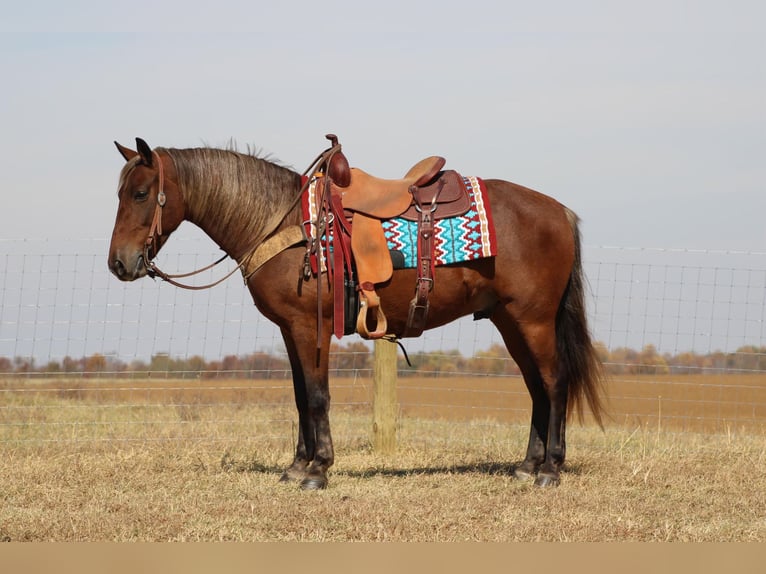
(118, 268)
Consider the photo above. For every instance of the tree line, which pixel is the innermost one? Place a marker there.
(357, 358)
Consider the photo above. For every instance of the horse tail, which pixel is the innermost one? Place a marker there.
(579, 363)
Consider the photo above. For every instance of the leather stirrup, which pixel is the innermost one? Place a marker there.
(371, 301)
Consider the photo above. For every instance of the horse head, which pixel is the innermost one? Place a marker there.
(150, 208)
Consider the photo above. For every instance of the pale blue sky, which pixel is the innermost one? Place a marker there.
(646, 118)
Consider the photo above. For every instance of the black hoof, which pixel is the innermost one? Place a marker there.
(314, 483)
(546, 480)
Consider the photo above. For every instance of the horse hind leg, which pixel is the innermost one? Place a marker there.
(538, 428)
(549, 414)
(533, 347)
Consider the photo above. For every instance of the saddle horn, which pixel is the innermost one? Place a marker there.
(338, 169)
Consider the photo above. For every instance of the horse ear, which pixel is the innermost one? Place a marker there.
(127, 153)
(144, 151)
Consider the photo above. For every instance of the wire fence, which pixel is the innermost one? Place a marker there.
(86, 358)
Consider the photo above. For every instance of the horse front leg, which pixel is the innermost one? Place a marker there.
(314, 453)
(298, 470)
(323, 455)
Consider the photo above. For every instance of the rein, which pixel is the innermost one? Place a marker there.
(270, 247)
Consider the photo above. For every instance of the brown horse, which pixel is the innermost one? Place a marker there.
(532, 290)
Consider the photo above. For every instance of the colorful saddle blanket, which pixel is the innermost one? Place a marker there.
(457, 239)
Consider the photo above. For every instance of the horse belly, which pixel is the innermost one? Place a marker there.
(458, 290)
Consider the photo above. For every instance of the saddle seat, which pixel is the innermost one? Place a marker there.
(386, 198)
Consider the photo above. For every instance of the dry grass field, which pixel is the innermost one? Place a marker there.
(161, 460)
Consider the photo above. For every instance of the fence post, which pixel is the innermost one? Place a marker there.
(384, 403)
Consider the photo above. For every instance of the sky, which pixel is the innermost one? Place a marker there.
(648, 119)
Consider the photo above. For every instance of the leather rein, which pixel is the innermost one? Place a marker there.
(155, 231)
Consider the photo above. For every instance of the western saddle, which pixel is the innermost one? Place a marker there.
(354, 204)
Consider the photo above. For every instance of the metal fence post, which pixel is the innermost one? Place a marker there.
(384, 403)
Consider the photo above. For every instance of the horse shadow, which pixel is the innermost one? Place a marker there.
(488, 468)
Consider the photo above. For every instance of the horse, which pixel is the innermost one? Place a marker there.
(532, 290)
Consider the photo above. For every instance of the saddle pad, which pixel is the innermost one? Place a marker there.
(457, 239)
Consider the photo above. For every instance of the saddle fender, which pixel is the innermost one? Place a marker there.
(373, 263)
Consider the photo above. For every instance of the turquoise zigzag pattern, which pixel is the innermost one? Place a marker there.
(457, 239)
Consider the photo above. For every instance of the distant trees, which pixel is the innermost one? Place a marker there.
(749, 358)
(494, 361)
(432, 364)
(746, 359)
(350, 358)
(95, 363)
(357, 357)
(644, 362)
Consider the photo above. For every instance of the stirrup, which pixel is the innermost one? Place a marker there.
(370, 300)
(416, 319)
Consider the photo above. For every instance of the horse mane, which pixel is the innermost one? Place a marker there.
(239, 192)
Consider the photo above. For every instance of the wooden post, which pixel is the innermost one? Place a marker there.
(384, 403)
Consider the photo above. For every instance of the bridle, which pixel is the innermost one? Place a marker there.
(155, 232)
(254, 257)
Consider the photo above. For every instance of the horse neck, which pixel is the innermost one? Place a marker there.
(236, 199)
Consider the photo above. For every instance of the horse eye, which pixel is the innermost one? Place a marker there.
(140, 194)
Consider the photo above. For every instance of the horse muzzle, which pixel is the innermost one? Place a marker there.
(128, 268)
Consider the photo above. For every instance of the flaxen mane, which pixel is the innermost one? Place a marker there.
(226, 186)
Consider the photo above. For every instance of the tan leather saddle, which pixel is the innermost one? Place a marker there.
(359, 203)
